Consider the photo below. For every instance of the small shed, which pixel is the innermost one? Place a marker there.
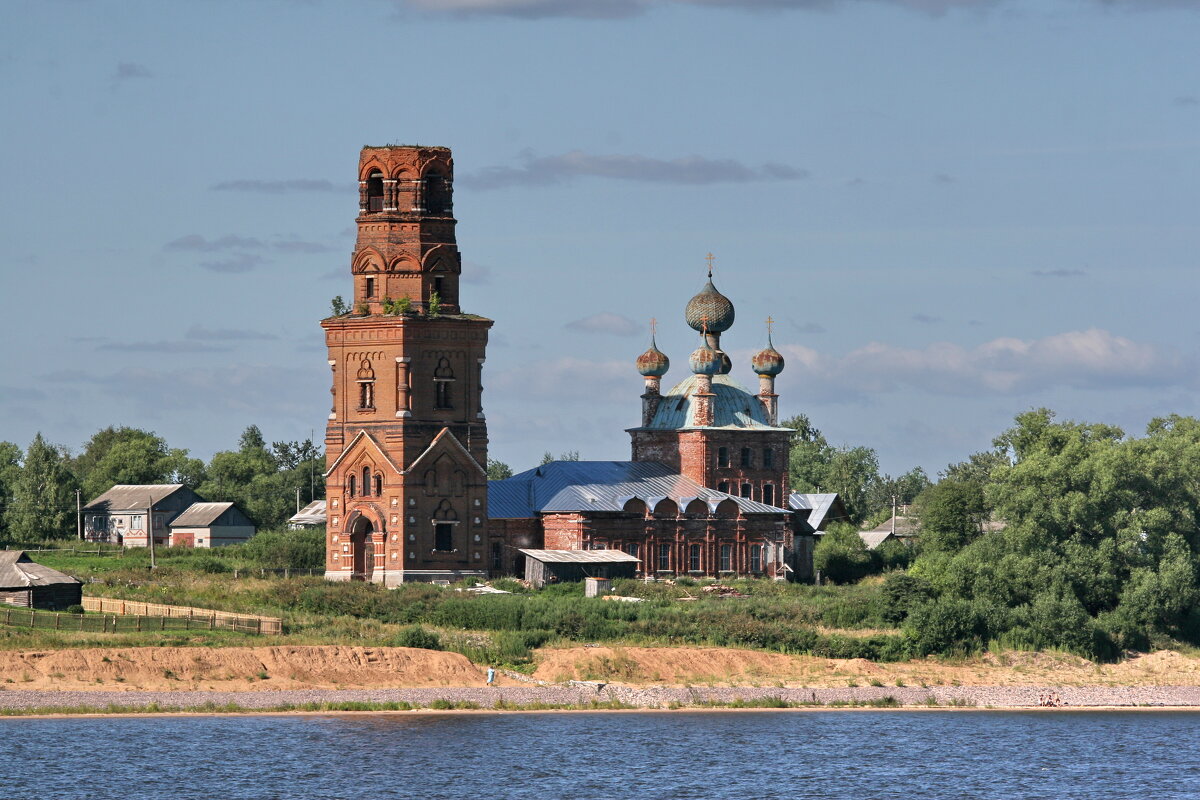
(559, 566)
(872, 539)
(24, 583)
(211, 525)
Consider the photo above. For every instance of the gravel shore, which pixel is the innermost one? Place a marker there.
(583, 694)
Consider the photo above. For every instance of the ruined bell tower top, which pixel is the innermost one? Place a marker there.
(406, 244)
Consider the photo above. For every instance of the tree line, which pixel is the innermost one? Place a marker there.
(38, 484)
(1067, 534)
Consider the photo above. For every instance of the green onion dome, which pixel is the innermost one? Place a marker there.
(709, 308)
(653, 363)
(767, 361)
(705, 360)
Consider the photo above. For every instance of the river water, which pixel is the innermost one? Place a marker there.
(607, 756)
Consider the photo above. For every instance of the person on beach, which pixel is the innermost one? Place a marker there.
(491, 676)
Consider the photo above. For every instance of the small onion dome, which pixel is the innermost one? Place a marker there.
(653, 363)
(709, 308)
(705, 360)
(767, 361)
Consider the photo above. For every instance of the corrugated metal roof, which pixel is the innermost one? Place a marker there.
(819, 505)
(602, 486)
(17, 571)
(132, 497)
(197, 515)
(734, 407)
(873, 539)
(311, 514)
(581, 556)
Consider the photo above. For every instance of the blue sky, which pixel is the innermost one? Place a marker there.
(956, 209)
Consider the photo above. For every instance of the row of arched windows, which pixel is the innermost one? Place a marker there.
(399, 194)
(747, 457)
(369, 482)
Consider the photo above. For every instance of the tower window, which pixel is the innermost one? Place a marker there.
(768, 494)
(437, 287)
(747, 457)
(722, 456)
(366, 481)
(443, 536)
(768, 458)
(370, 287)
(443, 376)
(375, 192)
(351, 486)
(747, 491)
(694, 557)
(378, 485)
(366, 395)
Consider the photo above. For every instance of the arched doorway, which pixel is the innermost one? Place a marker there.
(363, 547)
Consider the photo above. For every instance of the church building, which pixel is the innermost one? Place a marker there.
(407, 497)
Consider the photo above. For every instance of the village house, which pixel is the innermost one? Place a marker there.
(180, 517)
(26, 583)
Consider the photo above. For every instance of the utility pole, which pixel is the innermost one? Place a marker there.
(312, 467)
(893, 515)
(79, 513)
(297, 499)
(150, 529)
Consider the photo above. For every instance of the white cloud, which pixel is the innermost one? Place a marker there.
(1090, 359)
(606, 322)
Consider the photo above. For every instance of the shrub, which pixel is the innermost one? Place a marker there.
(901, 592)
(302, 549)
(75, 608)
(841, 555)
(416, 636)
(209, 564)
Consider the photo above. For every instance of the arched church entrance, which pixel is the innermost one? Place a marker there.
(363, 546)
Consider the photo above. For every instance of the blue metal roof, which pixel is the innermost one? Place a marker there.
(734, 407)
(602, 486)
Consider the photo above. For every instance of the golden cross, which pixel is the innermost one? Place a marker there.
(704, 324)
(709, 258)
(770, 322)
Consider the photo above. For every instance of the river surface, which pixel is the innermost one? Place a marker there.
(710, 755)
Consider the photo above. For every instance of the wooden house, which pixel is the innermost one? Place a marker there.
(25, 583)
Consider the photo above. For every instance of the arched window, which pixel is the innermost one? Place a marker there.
(443, 377)
(351, 485)
(726, 558)
(378, 485)
(444, 520)
(756, 557)
(366, 484)
(747, 491)
(375, 191)
(723, 486)
(693, 557)
(768, 494)
(366, 391)
(437, 194)
(664, 557)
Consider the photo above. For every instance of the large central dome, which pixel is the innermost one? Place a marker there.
(709, 310)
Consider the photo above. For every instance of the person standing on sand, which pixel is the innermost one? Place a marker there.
(491, 676)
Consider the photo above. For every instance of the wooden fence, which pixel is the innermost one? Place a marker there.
(183, 617)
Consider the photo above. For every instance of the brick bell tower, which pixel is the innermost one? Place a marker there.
(406, 442)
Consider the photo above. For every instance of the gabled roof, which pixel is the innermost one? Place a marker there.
(447, 439)
(873, 539)
(362, 434)
(312, 514)
(133, 497)
(822, 508)
(562, 486)
(734, 407)
(199, 515)
(18, 571)
(581, 556)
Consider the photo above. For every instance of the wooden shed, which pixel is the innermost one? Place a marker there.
(559, 566)
(24, 583)
(211, 525)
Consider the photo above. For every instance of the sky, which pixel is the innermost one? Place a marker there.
(956, 210)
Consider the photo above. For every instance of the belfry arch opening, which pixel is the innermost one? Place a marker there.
(375, 191)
